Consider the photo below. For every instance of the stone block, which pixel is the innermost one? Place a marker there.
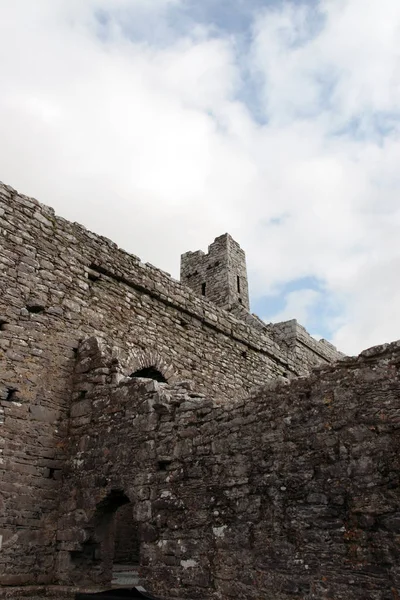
(42, 413)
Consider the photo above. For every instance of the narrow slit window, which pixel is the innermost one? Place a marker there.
(238, 284)
(203, 289)
(11, 395)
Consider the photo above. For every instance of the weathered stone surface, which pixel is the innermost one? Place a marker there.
(220, 275)
(234, 490)
(291, 493)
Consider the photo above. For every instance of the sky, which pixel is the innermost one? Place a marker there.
(162, 124)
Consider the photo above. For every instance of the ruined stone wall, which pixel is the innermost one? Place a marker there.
(292, 493)
(59, 284)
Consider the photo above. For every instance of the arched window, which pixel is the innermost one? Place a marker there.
(150, 373)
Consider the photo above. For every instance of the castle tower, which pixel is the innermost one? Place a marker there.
(220, 275)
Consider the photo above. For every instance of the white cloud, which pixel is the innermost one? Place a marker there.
(299, 305)
(342, 226)
(120, 122)
(351, 44)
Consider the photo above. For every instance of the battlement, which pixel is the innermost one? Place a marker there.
(297, 338)
(220, 275)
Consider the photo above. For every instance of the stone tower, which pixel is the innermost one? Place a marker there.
(220, 275)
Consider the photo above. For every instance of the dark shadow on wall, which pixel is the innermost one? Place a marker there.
(112, 539)
(126, 546)
(150, 373)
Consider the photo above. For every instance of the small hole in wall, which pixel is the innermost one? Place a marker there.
(163, 464)
(244, 354)
(240, 301)
(2, 323)
(12, 395)
(184, 323)
(82, 394)
(35, 308)
(75, 352)
(203, 289)
(54, 473)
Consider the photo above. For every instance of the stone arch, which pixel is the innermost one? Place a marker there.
(150, 373)
(143, 360)
(93, 562)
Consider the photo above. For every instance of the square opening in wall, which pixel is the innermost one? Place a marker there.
(35, 308)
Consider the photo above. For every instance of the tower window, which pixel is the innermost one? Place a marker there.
(238, 284)
(203, 289)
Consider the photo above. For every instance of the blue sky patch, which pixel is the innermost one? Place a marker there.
(322, 311)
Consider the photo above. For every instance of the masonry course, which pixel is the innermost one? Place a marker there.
(292, 492)
(79, 436)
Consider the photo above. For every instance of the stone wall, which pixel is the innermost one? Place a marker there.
(60, 284)
(291, 493)
(220, 275)
(301, 345)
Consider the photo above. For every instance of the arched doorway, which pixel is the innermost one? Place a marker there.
(110, 553)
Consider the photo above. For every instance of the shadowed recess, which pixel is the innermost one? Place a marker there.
(150, 373)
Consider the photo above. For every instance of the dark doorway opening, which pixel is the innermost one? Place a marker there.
(150, 373)
(126, 548)
(111, 551)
